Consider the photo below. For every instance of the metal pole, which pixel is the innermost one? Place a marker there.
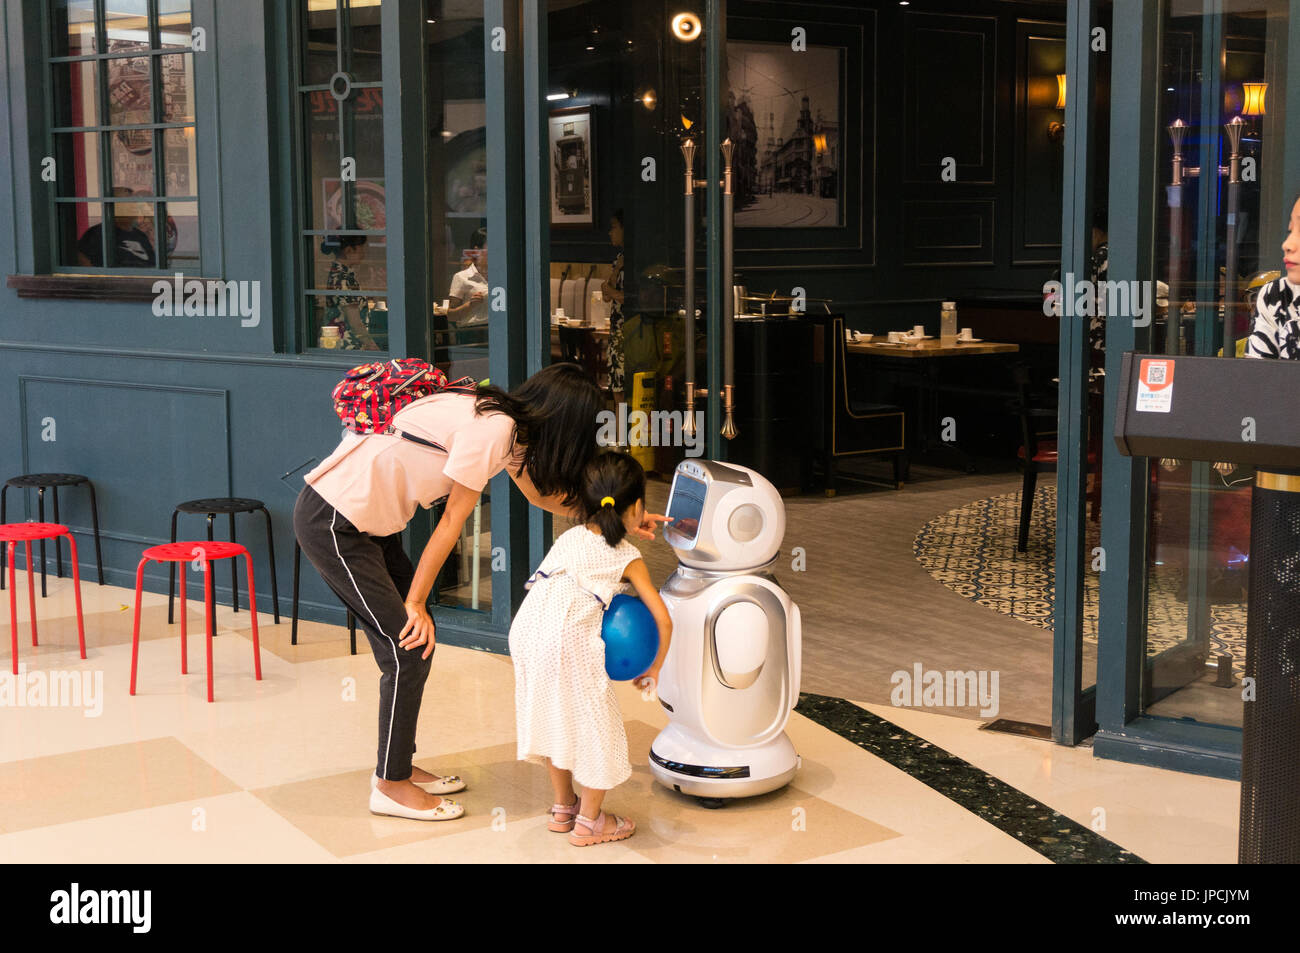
(688, 306)
(1174, 319)
(1233, 129)
(728, 294)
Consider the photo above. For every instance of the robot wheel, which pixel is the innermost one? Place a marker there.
(713, 803)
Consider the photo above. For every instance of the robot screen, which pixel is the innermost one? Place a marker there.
(686, 505)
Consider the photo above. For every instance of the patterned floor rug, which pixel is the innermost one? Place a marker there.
(972, 551)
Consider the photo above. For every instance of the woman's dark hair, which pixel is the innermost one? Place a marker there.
(337, 244)
(616, 475)
(479, 238)
(618, 217)
(555, 414)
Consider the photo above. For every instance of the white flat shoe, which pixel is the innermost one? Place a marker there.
(382, 804)
(447, 784)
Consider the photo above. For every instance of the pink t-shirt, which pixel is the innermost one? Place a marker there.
(376, 480)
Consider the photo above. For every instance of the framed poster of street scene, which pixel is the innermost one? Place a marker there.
(783, 114)
(573, 167)
(801, 109)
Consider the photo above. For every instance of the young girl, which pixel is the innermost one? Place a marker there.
(565, 707)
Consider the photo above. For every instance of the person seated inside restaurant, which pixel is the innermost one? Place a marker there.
(131, 247)
(469, 287)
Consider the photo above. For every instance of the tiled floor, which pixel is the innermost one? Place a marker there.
(278, 770)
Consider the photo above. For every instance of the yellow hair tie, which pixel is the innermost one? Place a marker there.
(606, 501)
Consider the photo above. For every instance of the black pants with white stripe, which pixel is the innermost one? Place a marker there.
(372, 575)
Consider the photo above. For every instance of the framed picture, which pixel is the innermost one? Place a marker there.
(783, 113)
(803, 117)
(573, 167)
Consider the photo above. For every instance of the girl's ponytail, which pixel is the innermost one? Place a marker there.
(611, 483)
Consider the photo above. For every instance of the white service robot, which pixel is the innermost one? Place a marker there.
(731, 676)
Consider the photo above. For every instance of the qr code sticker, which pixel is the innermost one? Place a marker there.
(1156, 374)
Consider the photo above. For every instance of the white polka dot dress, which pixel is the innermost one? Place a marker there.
(565, 707)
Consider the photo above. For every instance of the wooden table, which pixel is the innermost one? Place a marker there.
(933, 348)
(928, 384)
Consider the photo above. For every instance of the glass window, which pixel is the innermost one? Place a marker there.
(343, 214)
(1221, 217)
(122, 135)
(455, 93)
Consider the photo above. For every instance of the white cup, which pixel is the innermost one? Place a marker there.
(559, 314)
(918, 331)
(966, 334)
(446, 304)
(895, 337)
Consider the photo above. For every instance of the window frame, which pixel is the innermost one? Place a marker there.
(204, 196)
(299, 337)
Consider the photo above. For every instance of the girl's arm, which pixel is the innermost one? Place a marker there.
(419, 628)
(639, 576)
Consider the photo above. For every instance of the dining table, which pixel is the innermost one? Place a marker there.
(921, 363)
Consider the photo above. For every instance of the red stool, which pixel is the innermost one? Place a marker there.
(185, 552)
(14, 533)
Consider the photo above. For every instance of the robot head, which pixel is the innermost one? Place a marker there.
(723, 516)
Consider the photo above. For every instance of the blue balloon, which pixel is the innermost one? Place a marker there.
(631, 638)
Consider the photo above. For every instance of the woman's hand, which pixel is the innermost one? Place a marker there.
(646, 530)
(419, 629)
(648, 680)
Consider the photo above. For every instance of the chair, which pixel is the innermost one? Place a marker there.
(579, 346)
(229, 505)
(184, 552)
(40, 482)
(293, 629)
(10, 535)
(1037, 455)
(852, 426)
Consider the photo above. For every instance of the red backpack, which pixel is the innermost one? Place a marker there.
(368, 398)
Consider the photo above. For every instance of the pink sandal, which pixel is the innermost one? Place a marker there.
(598, 831)
(558, 811)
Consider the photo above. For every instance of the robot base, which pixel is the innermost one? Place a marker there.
(684, 762)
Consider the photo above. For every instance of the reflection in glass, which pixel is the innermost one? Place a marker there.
(77, 154)
(76, 93)
(1199, 528)
(74, 27)
(126, 24)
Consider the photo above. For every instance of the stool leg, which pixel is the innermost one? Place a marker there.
(13, 608)
(76, 590)
(252, 611)
(94, 523)
(58, 543)
(213, 611)
(40, 512)
(31, 588)
(211, 605)
(4, 550)
(293, 626)
(352, 630)
(270, 548)
(185, 650)
(171, 573)
(135, 631)
(234, 573)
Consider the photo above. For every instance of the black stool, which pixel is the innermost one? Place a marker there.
(230, 505)
(39, 482)
(293, 630)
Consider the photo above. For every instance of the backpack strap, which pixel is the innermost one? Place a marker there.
(414, 439)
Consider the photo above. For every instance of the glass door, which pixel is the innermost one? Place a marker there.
(1220, 219)
(631, 161)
